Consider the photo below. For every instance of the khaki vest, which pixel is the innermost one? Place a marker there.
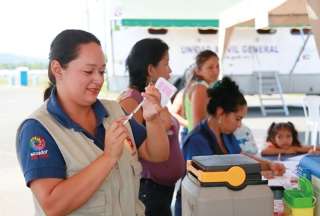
(118, 195)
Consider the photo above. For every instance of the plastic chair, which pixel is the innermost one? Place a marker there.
(311, 108)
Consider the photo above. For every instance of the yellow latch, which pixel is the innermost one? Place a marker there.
(235, 176)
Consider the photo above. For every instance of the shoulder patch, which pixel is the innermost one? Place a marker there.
(38, 146)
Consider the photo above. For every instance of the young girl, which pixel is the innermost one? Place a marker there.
(283, 139)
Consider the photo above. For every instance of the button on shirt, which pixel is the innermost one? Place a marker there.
(38, 152)
(202, 141)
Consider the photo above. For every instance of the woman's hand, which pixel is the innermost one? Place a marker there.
(278, 169)
(115, 138)
(151, 105)
(275, 169)
(267, 174)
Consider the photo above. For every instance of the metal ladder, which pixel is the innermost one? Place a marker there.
(269, 84)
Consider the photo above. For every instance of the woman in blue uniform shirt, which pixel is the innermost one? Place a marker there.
(77, 155)
(214, 135)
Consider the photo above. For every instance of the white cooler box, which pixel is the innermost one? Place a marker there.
(216, 198)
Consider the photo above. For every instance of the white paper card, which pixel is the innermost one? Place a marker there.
(166, 90)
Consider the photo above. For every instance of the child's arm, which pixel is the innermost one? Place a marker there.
(307, 149)
(303, 149)
(271, 149)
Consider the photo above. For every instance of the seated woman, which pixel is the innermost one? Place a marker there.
(214, 135)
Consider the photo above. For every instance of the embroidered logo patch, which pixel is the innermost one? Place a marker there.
(38, 145)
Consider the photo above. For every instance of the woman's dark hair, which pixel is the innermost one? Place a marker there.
(225, 93)
(275, 127)
(145, 52)
(64, 48)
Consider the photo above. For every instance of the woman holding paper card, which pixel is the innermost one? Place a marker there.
(146, 63)
(76, 154)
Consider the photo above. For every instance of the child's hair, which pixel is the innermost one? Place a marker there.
(275, 127)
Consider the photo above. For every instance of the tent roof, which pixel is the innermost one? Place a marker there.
(169, 9)
(207, 13)
(290, 13)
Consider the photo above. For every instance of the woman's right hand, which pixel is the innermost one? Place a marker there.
(115, 138)
(151, 105)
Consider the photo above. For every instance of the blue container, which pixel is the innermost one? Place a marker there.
(23, 78)
(309, 165)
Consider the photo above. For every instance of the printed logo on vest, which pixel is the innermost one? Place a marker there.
(38, 145)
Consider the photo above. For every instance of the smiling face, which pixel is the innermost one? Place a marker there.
(283, 138)
(231, 121)
(81, 80)
(209, 70)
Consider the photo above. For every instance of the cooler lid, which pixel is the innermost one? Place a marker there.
(224, 162)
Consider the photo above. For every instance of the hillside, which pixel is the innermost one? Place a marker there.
(9, 61)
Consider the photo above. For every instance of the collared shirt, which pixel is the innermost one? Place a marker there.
(202, 141)
(51, 164)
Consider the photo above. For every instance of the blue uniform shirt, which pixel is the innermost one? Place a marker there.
(202, 141)
(39, 154)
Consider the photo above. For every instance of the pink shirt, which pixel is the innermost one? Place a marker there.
(167, 172)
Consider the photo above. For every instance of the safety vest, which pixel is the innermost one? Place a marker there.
(118, 195)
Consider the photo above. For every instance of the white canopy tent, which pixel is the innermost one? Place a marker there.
(222, 15)
(269, 13)
(168, 9)
(167, 13)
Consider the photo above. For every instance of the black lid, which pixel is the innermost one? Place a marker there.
(225, 162)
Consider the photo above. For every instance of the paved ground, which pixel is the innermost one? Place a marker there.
(18, 102)
(15, 104)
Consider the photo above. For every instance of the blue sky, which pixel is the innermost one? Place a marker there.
(28, 26)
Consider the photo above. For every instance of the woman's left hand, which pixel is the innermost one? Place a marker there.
(151, 105)
(278, 169)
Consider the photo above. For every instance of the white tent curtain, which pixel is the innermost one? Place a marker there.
(278, 12)
(313, 9)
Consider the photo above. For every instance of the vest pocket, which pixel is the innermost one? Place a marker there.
(96, 205)
(136, 171)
